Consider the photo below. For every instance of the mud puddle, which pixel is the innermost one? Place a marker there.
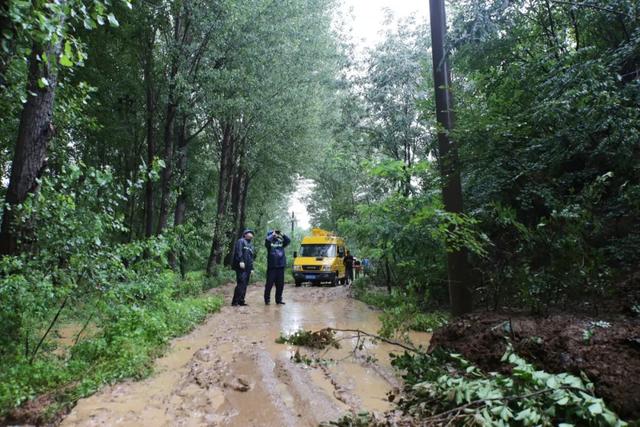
(230, 372)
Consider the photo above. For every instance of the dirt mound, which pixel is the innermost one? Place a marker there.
(607, 352)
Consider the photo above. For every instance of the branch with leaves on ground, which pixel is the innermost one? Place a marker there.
(445, 389)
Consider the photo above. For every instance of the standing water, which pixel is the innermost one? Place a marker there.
(230, 371)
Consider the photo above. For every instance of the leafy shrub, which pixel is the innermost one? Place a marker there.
(131, 336)
(445, 388)
(400, 312)
(79, 266)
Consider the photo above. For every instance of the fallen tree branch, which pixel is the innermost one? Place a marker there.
(53, 322)
(378, 337)
(444, 415)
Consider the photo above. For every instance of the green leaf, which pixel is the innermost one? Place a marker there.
(68, 49)
(65, 61)
(595, 408)
(43, 82)
(552, 382)
(112, 20)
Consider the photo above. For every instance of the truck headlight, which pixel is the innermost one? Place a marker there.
(326, 268)
(297, 268)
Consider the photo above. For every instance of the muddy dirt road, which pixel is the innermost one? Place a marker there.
(230, 372)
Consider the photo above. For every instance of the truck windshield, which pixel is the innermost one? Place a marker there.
(318, 250)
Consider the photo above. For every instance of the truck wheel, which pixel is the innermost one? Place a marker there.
(298, 283)
(342, 281)
(335, 281)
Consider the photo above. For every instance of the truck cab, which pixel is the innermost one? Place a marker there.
(320, 259)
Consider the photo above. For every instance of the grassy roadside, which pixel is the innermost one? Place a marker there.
(399, 312)
(133, 326)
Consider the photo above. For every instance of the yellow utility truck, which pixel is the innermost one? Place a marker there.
(320, 259)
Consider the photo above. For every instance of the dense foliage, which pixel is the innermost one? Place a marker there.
(137, 140)
(445, 389)
(547, 123)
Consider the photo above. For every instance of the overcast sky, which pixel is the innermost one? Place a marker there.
(366, 18)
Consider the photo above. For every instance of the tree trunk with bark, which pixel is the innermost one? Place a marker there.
(458, 268)
(224, 189)
(237, 213)
(167, 171)
(34, 133)
(181, 201)
(242, 216)
(150, 93)
(169, 125)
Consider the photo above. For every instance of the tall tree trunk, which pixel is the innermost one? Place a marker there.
(165, 177)
(151, 134)
(236, 209)
(458, 268)
(242, 216)
(181, 201)
(226, 232)
(34, 133)
(169, 124)
(131, 165)
(224, 181)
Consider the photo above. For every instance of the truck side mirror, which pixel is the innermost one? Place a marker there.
(295, 254)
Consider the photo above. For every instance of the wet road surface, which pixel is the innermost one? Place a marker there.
(230, 372)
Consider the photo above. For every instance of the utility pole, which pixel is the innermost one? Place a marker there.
(293, 222)
(458, 268)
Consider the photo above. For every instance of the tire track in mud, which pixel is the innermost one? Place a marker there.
(230, 372)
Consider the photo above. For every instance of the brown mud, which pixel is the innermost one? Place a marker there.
(230, 372)
(610, 357)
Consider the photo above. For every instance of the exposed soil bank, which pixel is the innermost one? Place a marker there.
(230, 372)
(610, 357)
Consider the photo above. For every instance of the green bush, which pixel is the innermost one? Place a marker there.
(400, 311)
(82, 270)
(130, 337)
(442, 388)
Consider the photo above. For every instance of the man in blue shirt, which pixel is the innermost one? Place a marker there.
(275, 243)
(243, 265)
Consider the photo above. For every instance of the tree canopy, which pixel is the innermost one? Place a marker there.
(138, 140)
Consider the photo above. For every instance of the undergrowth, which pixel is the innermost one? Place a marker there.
(400, 313)
(129, 336)
(445, 389)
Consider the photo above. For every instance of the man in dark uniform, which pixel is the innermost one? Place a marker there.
(276, 263)
(348, 263)
(243, 265)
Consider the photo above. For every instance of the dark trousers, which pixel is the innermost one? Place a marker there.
(242, 280)
(274, 276)
(349, 274)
